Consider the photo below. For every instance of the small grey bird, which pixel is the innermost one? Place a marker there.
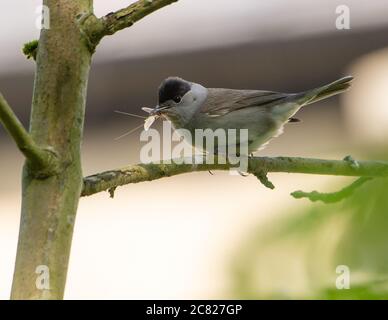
(191, 106)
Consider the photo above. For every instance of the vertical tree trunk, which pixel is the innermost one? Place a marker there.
(49, 205)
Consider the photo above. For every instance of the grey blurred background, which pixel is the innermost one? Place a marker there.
(176, 238)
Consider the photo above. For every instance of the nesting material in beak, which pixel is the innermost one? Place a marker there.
(149, 121)
(151, 118)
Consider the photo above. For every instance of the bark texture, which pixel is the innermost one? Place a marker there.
(258, 166)
(49, 205)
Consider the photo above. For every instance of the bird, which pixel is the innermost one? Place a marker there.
(191, 106)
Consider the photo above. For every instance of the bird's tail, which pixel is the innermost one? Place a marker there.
(326, 91)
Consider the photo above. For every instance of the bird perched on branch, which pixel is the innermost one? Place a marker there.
(191, 106)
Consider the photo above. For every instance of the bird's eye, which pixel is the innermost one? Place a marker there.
(177, 99)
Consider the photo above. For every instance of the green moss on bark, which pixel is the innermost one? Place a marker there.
(30, 49)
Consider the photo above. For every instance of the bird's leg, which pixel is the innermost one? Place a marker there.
(243, 174)
(246, 174)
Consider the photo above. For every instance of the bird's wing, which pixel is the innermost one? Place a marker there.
(222, 101)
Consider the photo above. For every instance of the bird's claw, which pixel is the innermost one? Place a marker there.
(243, 174)
(353, 163)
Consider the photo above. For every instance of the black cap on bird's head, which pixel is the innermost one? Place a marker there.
(173, 88)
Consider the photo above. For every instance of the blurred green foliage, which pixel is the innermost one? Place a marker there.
(296, 256)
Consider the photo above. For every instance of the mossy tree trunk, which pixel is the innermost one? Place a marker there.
(49, 204)
(52, 176)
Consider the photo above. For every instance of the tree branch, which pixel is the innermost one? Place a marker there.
(97, 28)
(334, 196)
(42, 161)
(259, 166)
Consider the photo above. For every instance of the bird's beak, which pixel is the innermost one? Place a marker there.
(149, 110)
(154, 111)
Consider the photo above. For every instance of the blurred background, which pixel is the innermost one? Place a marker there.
(219, 236)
